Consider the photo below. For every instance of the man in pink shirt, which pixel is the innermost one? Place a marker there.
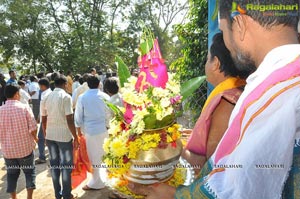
(17, 138)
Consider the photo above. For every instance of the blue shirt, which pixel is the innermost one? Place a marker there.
(11, 81)
(91, 113)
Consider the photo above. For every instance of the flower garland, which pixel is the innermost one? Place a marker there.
(152, 109)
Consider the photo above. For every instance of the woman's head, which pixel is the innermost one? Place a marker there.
(219, 64)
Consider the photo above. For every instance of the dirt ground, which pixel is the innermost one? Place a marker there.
(44, 188)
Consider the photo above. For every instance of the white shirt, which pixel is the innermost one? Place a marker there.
(44, 95)
(56, 106)
(24, 96)
(116, 99)
(80, 90)
(75, 85)
(269, 139)
(34, 86)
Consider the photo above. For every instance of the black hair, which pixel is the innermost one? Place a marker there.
(69, 72)
(60, 80)
(93, 82)
(108, 75)
(40, 75)
(33, 78)
(77, 76)
(85, 77)
(11, 71)
(54, 75)
(80, 80)
(267, 21)
(10, 90)
(219, 50)
(93, 70)
(21, 83)
(45, 82)
(111, 86)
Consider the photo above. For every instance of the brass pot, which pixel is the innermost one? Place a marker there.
(154, 165)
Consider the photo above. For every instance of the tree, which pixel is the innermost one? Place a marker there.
(193, 36)
(47, 35)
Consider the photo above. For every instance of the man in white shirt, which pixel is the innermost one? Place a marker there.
(60, 133)
(76, 83)
(34, 90)
(45, 89)
(24, 96)
(80, 90)
(92, 118)
(258, 156)
(111, 87)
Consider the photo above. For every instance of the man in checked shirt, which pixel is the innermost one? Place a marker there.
(18, 131)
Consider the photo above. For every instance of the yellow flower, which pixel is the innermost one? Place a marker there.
(178, 177)
(177, 126)
(118, 148)
(149, 145)
(115, 127)
(133, 147)
(169, 139)
(147, 138)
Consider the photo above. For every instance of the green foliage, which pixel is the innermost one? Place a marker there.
(47, 35)
(190, 86)
(123, 71)
(193, 36)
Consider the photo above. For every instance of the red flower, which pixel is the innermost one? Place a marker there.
(174, 144)
(125, 159)
(123, 126)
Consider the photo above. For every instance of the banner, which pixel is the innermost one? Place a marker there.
(213, 28)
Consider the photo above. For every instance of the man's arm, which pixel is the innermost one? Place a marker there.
(31, 123)
(32, 93)
(44, 124)
(218, 126)
(34, 134)
(43, 112)
(78, 116)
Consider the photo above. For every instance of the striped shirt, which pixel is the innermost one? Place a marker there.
(16, 124)
(56, 106)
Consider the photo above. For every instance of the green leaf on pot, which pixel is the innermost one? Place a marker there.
(118, 113)
(146, 46)
(123, 71)
(190, 86)
(169, 119)
(150, 121)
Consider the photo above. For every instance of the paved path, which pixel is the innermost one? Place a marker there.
(44, 189)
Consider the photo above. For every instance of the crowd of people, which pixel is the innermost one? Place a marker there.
(246, 140)
(57, 103)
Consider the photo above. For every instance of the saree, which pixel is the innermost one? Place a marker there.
(246, 164)
(228, 90)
